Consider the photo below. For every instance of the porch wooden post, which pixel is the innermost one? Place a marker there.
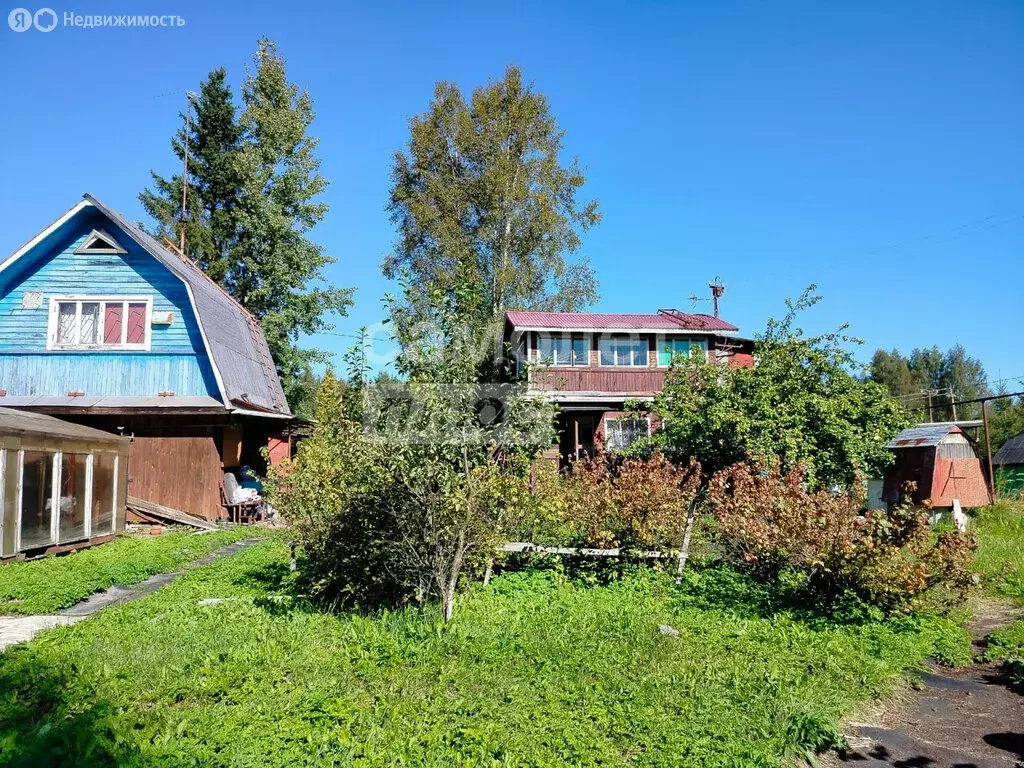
(576, 432)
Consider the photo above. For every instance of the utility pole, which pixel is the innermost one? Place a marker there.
(931, 416)
(184, 175)
(952, 402)
(988, 449)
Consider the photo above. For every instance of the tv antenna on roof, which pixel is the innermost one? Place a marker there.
(717, 291)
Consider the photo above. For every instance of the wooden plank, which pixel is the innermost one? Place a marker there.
(179, 468)
(148, 509)
(525, 547)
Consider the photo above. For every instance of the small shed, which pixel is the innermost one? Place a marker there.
(944, 464)
(1009, 466)
(62, 485)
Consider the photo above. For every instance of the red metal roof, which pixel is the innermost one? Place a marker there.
(669, 321)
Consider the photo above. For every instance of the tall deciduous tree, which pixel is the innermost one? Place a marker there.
(254, 197)
(801, 405)
(481, 198)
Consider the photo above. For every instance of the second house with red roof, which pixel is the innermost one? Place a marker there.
(591, 364)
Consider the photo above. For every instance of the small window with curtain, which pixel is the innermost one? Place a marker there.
(669, 348)
(99, 323)
(622, 351)
(619, 434)
(563, 351)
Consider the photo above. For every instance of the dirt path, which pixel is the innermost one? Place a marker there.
(967, 718)
(21, 629)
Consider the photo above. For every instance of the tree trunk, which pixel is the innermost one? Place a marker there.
(684, 551)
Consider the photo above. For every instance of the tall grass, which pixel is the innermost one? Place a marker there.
(1001, 552)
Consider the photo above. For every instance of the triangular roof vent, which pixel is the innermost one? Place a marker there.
(99, 241)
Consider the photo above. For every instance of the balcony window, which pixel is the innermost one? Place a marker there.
(669, 348)
(623, 352)
(560, 350)
(99, 323)
(621, 433)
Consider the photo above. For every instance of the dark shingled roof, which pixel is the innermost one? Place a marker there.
(238, 349)
(1011, 453)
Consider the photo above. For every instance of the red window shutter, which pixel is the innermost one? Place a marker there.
(112, 314)
(136, 323)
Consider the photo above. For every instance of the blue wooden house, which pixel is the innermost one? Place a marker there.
(102, 325)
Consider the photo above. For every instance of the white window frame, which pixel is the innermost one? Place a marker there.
(89, 246)
(616, 364)
(571, 339)
(3, 497)
(623, 417)
(57, 460)
(56, 301)
(661, 341)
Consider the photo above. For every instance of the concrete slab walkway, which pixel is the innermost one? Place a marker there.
(21, 629)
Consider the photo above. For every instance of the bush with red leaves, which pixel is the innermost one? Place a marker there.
(771, 522)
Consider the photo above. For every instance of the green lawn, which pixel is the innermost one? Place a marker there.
(534, 671)
(46, 585)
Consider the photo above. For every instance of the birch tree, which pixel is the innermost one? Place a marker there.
(482, 198)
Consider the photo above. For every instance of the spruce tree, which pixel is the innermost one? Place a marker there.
(254, 196)
(213, 180)
(276, 271)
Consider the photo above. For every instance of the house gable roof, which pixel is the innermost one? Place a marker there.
(664, 320)
(1011, 453)
(923, 436)
(235, 344)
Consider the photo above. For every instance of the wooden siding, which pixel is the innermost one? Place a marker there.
(177, 359)
(103, 373)
(633, 380)
(160, 463)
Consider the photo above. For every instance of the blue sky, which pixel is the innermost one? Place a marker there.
(875, 148)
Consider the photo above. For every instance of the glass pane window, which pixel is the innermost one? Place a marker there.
(71, 501)
(85, 323)
(556, 350)
(622, 351)
(580, 352)
(36, 499)
(103, 492)
(66, 311)
(669, 348)
(622, 433)
(89, 323)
